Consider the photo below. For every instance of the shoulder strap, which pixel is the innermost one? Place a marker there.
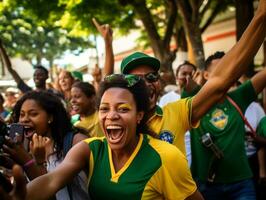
(253, 132)
(68, 139)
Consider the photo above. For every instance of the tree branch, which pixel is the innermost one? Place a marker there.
(205, 8)
(185, 9)
(214, 13)
(146, 18)
(170, 24)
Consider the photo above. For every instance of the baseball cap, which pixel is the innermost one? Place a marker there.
(77, 75)
(137, 59)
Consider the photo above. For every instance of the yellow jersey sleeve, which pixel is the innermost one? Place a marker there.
(173, 179)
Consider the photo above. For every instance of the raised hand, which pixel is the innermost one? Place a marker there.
(105, 30)
(38, 147)
(16, 151)
(198, 77)
(19, 190)
(107, 34)
(97, 74)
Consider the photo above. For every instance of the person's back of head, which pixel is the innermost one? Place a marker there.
(216, 56)
(211, 63)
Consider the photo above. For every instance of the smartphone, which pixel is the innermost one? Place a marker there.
(5, 183)
(16, 132)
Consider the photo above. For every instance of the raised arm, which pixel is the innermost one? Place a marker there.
(47, 185)
(259, 81)
(107, 34)
(232, 65)
(8, 65)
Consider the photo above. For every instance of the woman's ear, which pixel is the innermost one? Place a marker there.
(140, 116)
(206, 75)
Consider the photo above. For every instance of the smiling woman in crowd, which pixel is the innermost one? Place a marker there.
(48, 136)
(125, 164)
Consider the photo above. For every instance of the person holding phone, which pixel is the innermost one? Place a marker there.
(114, 163)
(48, 135)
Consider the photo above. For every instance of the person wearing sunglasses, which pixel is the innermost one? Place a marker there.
(173, 120)
(128, 163)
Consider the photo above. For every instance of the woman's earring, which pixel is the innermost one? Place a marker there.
(49, 121)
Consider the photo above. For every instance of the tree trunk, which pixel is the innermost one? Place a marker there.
(38, 59)
(51, 69)
(194, 36)
(2, 67)
(166, 67)
(191, 21)
(244, 14)
(160, 46)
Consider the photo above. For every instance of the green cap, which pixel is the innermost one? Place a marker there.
(136, 59)
(77, 75)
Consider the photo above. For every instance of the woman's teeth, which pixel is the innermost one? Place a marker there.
(74, 107)
(115, 133)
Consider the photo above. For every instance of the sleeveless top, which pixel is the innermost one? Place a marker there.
(78, 186)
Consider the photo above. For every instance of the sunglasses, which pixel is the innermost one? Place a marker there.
(150, 77)
(131, 79)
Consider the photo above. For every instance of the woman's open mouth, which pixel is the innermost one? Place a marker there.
(75, 108)
(114, 133)
(29, 131)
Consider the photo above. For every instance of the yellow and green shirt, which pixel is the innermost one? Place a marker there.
(155, 170)
(172, 121)
(90, 124)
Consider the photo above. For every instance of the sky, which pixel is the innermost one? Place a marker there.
(83, 58)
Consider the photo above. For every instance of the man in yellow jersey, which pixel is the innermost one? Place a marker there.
(173, 120)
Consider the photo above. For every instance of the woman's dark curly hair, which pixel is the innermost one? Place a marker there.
(140, 94)
(60, 125)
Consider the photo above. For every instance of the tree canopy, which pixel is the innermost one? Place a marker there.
(158, 20)
(31, 38)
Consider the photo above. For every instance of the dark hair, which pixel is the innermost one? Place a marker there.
(87, 88)
(60, 125)
(2, 98)
(216, 55)
(42, 68)
(185, 63)
(140, 94)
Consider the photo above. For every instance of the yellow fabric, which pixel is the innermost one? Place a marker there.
(91, 125)
(91, 164)
(173, 180)
(175, 120)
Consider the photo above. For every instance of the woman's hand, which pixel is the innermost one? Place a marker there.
(19, 190)
(38, 148)
(6, 161)
(16, 151)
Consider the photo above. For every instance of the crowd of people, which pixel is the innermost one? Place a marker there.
(119, 138)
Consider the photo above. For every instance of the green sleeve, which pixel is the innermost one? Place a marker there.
(185, 94)
(244, 95)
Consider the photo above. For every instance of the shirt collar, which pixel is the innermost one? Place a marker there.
(158, 110)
